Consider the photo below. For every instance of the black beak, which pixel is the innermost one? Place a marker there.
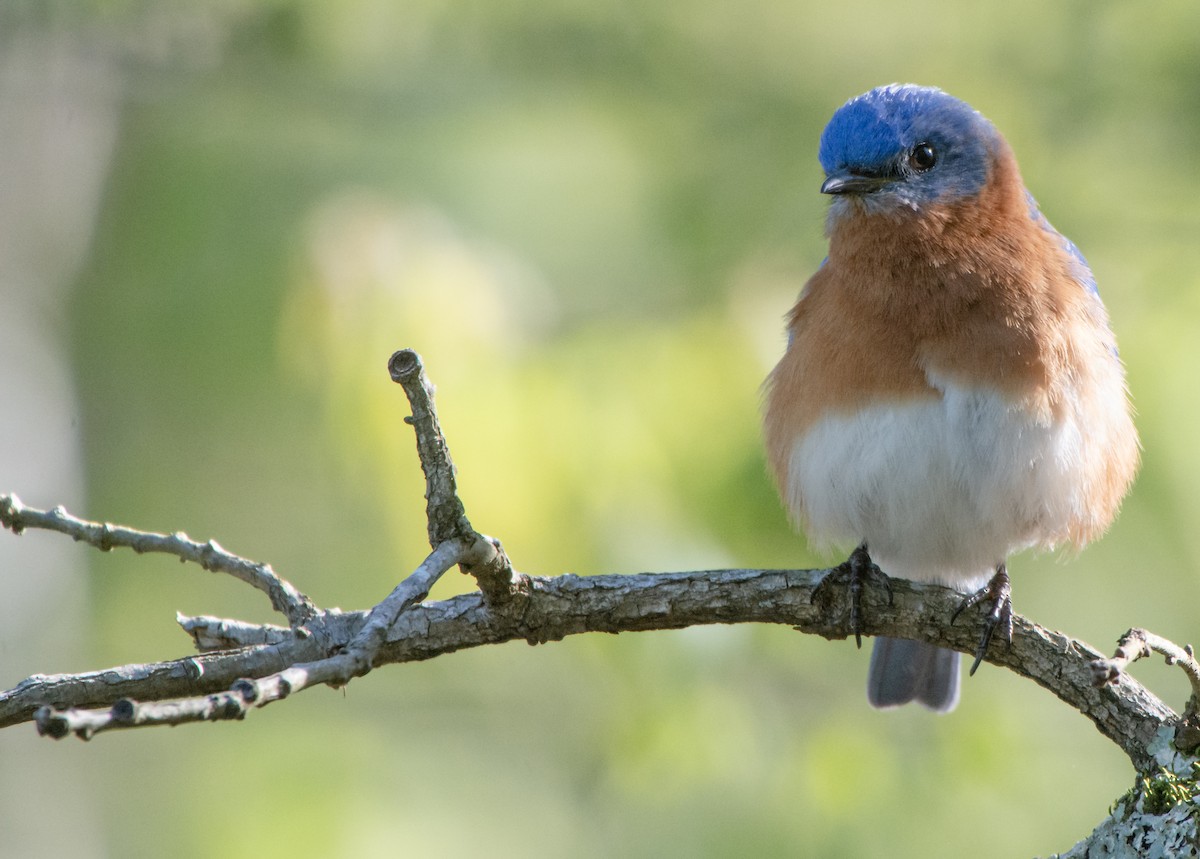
(853, 183)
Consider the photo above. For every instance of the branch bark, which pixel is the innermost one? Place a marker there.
(553, 608)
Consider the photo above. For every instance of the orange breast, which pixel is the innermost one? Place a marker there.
(976, 294)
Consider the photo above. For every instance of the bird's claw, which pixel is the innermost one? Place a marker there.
(855, 571)
(998, 591)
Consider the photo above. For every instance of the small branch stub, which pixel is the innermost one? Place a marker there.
(444, 509)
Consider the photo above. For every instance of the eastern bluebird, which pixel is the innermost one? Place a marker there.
(951, 391)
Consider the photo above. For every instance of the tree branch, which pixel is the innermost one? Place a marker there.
(554, 608)
(243, 666)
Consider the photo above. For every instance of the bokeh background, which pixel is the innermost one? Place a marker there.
(219, 218)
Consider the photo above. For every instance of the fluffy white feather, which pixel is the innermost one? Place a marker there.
(943, 489)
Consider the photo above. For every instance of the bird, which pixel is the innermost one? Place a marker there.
(951, 391)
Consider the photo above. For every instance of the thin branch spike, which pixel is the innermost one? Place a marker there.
(285, 598)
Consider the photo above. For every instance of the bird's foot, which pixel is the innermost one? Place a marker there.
(998, 591)
(855, 571)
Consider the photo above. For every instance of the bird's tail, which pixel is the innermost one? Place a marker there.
(903, 671)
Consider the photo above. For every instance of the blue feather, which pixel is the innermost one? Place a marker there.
(874, 134)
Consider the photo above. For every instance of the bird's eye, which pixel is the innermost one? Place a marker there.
(922, 157)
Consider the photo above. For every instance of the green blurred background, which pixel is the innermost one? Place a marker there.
(221, 219)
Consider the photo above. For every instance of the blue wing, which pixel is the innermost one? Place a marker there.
(1083, 272)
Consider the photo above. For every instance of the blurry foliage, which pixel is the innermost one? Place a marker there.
(590, 220)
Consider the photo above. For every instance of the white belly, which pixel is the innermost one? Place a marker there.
(940, 490)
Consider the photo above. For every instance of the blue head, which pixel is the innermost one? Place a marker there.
(905, 146)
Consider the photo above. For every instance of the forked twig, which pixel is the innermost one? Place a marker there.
(453, 539)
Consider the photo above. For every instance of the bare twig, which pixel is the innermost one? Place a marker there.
(127, 713)
(365, 645)
(444, 510)
(219, 633)
(1140, 643)
(105, 536)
